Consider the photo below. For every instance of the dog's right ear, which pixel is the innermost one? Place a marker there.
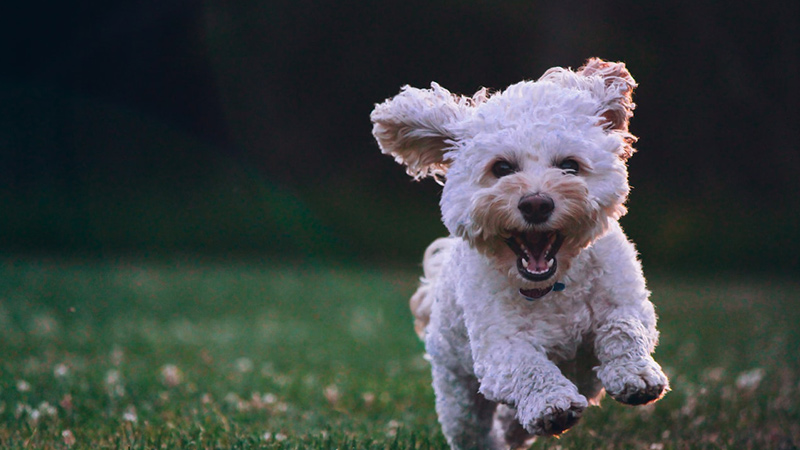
(416, 127)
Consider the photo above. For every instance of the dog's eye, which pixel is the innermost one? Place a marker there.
(503, 168)
(569, 166)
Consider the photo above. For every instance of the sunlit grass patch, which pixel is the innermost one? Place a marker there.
(206, 355)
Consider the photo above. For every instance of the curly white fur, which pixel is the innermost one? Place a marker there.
(513, 356)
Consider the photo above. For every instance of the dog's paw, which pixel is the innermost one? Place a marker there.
(556, 417)
(555, 421)
(634, 382)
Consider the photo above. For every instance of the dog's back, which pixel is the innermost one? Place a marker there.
(422, 300)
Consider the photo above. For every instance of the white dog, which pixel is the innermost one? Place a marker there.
(536, 303)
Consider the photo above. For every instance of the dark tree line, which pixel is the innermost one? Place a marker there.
(285, 88)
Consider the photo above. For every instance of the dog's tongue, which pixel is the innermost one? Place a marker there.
(538, 253)
(539, 264)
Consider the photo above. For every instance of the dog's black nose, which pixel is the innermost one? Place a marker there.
(536, 208)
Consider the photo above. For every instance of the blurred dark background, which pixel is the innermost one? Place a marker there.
(242, 128)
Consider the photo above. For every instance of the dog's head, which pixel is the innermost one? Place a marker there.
(533, 174)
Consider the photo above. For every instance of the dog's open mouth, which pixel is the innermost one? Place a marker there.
(536, 253)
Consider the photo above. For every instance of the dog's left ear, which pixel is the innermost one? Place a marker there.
(616, 99)
(416, 127)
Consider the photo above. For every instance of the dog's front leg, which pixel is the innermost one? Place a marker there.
(629, 373)
(464, 413)
(547, 402)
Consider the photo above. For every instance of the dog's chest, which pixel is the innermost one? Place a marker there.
(559, 324)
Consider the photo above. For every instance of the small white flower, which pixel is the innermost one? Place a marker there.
(369, 398)
(23, 386)
(244, 365)
(171, 375)
(114, 383)
(61, 370)
(47, 409)
(750, 380)
(269, 399)
(69, 438)
(130, 414)
(22, 408)
(332, 394)
(113, 377)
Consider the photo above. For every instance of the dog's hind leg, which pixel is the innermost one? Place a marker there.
(466, 415)
(508, 429)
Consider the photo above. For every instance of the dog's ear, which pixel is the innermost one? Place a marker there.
(616, 102)
(416, 127)
(612, 86)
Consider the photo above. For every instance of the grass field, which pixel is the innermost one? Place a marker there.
(191, 354)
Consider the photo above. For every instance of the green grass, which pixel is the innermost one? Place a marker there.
(193, 354)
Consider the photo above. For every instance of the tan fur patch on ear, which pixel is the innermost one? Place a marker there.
(414, 127)
(421, 154)
(620, 85)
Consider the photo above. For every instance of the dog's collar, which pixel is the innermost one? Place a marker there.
(535, 294)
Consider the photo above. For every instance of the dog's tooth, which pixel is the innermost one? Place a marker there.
(550, 263)
(524, 263)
